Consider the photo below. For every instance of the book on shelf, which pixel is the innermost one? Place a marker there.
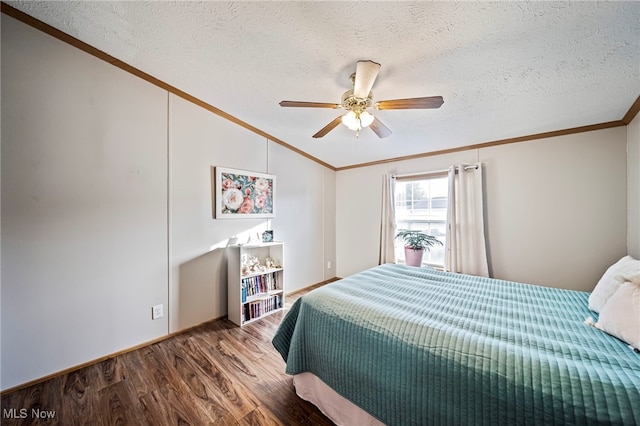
(258, 284)
(256, 309)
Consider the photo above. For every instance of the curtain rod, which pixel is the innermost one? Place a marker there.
(435, 172)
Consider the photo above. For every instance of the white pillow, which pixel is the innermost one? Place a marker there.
(620, 316)
(608, 284)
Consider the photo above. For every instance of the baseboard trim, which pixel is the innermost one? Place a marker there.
(312, 286)
(136, 347)
(103, 358)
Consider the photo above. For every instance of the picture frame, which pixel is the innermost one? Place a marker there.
(267, 236)
(242, 194)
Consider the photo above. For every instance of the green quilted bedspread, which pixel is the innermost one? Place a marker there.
(415, 346)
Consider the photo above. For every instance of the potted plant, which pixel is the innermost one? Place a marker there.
(415, 243)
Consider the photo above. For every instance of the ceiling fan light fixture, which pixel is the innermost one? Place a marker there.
(366, 119)
(357, 120)
(351, 120)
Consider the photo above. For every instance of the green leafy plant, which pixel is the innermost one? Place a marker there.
(417, 240)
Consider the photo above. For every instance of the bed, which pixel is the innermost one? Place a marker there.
(417, 346)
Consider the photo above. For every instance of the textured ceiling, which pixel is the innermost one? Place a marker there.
(505, 69)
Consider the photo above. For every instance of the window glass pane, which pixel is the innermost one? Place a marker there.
(422, 205)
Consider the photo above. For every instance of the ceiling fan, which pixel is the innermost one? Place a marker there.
(360, 98)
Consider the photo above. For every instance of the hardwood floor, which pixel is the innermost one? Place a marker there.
(215, 374)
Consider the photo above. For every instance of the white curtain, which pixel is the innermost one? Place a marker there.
(466, 250)
(388, 222)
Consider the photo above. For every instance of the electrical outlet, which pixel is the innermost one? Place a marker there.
(329, 265)
(157, 312)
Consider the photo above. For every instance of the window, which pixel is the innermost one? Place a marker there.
(421, 204)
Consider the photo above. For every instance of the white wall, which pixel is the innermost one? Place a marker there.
(107, 208)
(556, 208)
(301, 222)
(84, 218)
(329, 236)
(633, 186)
(200, 140)
(358, 199)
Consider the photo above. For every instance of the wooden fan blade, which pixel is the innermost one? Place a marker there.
(412, 103)
(366, 73)
(308, 104)
(329, 127)
(380, 129)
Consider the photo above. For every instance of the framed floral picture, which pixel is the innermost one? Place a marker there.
(243, 194)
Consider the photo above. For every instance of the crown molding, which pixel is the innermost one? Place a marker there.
(633, 111)
(544, 135)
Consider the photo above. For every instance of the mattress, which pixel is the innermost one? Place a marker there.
(415, 346)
